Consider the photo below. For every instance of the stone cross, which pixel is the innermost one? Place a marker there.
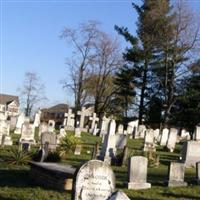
(95, 180)
(69, 120)
(176, 175)
(82, 117)
(94, 119)
(138, 173)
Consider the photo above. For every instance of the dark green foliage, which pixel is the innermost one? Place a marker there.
(187, 108)
(17, 157)
(53, 157)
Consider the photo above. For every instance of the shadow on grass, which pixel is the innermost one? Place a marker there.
(178, 196)
(14, 178)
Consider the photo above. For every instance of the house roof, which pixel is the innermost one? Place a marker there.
(57, 108)
(7, 99)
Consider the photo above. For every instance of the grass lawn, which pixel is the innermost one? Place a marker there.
(16, 185)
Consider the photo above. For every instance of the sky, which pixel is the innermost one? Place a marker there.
(30, 38)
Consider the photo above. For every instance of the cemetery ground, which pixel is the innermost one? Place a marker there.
(16, 184)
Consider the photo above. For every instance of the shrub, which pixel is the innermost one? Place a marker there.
(18, 157)
(68, 144)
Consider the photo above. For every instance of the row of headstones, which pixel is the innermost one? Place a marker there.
(96, 180)
(5, 138)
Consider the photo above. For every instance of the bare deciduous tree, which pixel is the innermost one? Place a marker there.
(32, 92)
(82, 42)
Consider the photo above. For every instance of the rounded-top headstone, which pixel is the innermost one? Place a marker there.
(95, 180)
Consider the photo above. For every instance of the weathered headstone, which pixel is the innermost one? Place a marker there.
(104, 126)
(171, 142)
(95, 180)
(77, 150)
(164, 137)
(77, 132)
(191, 153)
(134, 125)
(120, 129)
(43, 127)
(6, 140)
(119, 195)
(108, 150)
(176, 175)
(149, 144)
(141, 131)
(197, 133)
(20, 121)
(49, 138)
(138, 173)
(157, 134)
(120, 141)
(37, 119)
(51, 126)
(28, 134)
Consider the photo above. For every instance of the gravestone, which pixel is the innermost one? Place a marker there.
(69, 120)
(104, 126)
(164, 137)
(120, 141)
(77, 132)
(94, 120)
(82, 117)
(4, 127)
(43, 127)
(13, 122)
(28, 134)
(95, 180)
(129, 130)
(20, 121)
(95, 130)
(176, 175)
(6, 140)
(197, 133)
(198, 172)
(51, 126)
(134, 130)
(141, 131)
(108, 150)
(157, 134)
(137, 171)
(149, 144)
(61, 135)
(171, 142)
(185, 134)
(120, 129)
(191, 153)
(77, 150)
(119, 195)
(37, 119)
(50, 139)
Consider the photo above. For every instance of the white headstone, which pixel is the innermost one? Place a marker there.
(171, 142)
(138, 173)
(120, 129)
(28, 133)
(197, 133)
(149, 144)
(176, 175)
(20, 121)
(164, 137)
(37, 119)
(95, 180)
